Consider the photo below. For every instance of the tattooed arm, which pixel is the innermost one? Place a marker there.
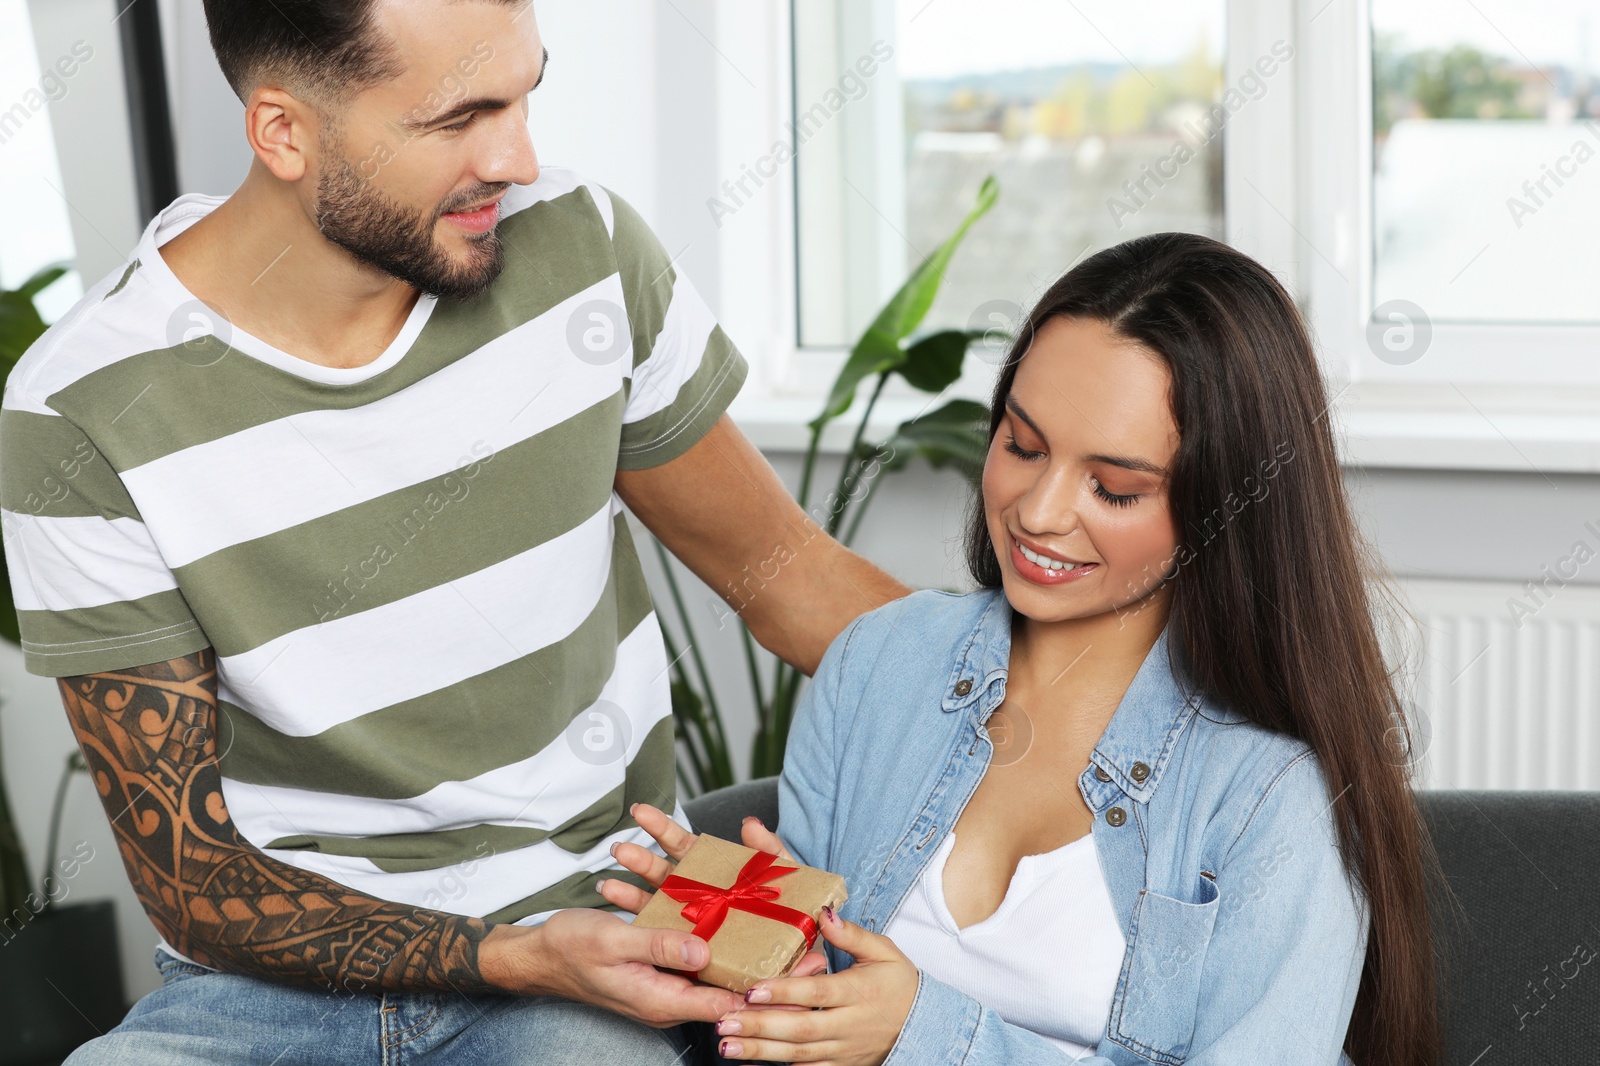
(148, 735)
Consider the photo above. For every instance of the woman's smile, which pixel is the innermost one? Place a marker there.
(1045, 569)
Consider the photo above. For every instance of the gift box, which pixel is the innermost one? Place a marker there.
(758, 912)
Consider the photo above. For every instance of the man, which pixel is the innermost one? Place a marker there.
(315, 508)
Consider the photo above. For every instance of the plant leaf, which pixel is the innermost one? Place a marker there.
(933, 363)
(44, 278)
(873, 354)
(906, 310)
(9, 628)
(687, 706)
(20, 326)
(879, 348)
(688, 711)
(957, 435)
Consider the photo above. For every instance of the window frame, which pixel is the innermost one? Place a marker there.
(1260, 177)
(1473, 402)
(1298, 195)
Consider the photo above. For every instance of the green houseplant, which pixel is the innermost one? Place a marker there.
(954, 435)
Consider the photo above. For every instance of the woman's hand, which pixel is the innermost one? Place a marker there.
(675, 840)
(862, 1009)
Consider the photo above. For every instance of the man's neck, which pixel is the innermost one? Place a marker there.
(259, 260)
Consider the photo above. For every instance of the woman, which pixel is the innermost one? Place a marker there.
(1134, 800)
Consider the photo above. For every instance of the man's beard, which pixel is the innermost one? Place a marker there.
(385, 235)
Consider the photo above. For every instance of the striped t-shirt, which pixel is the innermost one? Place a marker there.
(440, 677)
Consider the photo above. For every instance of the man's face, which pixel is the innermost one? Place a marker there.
(404, 166)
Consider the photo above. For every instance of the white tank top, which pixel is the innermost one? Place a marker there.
(1046, 960)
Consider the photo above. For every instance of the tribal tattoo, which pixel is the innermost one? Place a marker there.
(149, 737)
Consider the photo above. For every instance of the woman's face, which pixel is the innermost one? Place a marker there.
(1075, 483)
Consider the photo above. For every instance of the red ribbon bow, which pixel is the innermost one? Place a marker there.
(707, 905)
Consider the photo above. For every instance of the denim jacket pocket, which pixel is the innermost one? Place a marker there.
(1159, 989)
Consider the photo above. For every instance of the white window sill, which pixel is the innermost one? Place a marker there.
(1528, 430)
(1517, 429)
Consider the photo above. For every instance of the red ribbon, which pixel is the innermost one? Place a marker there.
(707, 905)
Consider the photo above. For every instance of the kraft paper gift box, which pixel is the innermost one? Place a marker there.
(758, 912)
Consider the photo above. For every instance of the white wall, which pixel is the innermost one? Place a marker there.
(208, 119)
(92, 134)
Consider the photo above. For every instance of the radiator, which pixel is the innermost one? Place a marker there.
(1503, 684)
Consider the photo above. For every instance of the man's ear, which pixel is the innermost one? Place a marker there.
(283, 132)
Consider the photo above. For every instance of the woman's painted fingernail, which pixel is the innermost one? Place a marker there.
(730, 1049)
(728, 1026)
(827, 912)
(753, 818)
(758, 995)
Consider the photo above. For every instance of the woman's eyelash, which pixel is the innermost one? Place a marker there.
(1112, 498)
(1016, 449)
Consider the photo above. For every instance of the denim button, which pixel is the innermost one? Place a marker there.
(1116, 816)
(1139, 772)
(1101, 775)
(963, 687)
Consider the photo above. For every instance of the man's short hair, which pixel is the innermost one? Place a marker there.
(324, 51)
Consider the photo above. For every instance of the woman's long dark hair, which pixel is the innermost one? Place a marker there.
(1271, 602)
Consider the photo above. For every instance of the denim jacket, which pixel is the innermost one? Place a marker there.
(1245, 938)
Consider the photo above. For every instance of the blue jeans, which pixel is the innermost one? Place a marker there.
(199, 1016)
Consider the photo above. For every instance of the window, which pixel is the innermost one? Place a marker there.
(1467, 339)
(1486, 159)
(1101, 121)
(1422, 174)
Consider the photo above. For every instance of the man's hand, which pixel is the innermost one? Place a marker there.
(596, 957)
(675, 840)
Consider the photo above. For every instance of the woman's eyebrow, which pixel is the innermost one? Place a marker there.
(1143, 466)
